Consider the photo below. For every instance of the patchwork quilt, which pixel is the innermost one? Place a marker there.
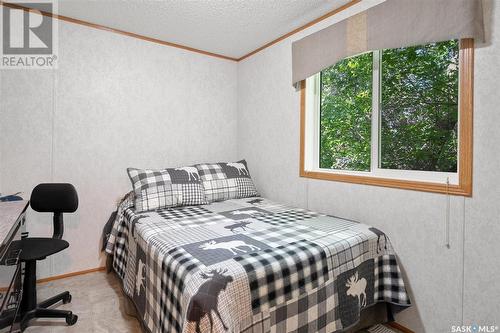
(251, 265)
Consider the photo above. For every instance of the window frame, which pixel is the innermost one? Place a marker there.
(459, 183)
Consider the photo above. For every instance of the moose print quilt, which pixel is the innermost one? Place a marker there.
(251, 265)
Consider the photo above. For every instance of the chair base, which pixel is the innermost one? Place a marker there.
(29, 307)
(41, 311)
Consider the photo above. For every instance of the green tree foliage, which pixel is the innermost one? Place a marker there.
(419, 107)
(419, 110)
(346, 104)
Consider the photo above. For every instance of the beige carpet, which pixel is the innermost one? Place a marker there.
(100, 305)
(98, 301)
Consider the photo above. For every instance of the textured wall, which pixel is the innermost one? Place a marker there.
(482, 213)
(114, 102)
(268, 136)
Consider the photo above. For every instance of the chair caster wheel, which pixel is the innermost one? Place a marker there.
(71, 319)
(67, 299)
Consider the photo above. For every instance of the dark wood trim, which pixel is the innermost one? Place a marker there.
(464, 187)
(400, 327)
(305, 26)
(121, 32)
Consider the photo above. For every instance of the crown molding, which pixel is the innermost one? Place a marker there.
(180, 46)
(121, 32)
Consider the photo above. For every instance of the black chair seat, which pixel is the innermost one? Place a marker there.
(35, 248)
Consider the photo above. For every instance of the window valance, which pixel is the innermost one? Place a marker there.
(391, 24)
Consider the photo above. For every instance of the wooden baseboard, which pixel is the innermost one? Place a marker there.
(400, 327)
(62, 276)
(67, 275)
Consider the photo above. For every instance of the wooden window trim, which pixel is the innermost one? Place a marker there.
(464, 186)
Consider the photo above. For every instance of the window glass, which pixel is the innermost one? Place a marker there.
(419, 107)
(345, 114)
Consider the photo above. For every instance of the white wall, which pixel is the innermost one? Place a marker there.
(449, 286)
(114, 102)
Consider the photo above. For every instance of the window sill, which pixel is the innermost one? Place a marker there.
(463, 189)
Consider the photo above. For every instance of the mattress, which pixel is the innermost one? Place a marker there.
(251, 265)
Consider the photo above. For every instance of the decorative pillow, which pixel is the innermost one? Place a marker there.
(223, 181)
(155, 189)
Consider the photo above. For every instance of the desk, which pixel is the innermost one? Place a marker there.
(12, 218)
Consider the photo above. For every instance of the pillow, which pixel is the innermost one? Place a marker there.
(166, 188)
(223, 181)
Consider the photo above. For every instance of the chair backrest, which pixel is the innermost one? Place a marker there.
(55, 198)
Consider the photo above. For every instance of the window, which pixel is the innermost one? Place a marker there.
(398, 117)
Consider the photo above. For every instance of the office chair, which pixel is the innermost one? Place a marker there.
(56, 199)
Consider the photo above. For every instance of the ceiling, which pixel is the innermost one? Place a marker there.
(231, 28)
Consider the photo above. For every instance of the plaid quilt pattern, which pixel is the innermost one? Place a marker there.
(346, 249)
(225, 181)
(290, 216)
(278, 237)
(119, 234)
(174, 271)
(288, 274)
(316, 311)
(121, 253)
(283, 273)
(389, 284)
(155, 189)
(183, 212)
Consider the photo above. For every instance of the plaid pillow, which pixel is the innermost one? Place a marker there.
(223, 181)
(166, 188)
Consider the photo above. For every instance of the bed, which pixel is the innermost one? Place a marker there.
(251, 265)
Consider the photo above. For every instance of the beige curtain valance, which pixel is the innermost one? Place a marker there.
(391, 24)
